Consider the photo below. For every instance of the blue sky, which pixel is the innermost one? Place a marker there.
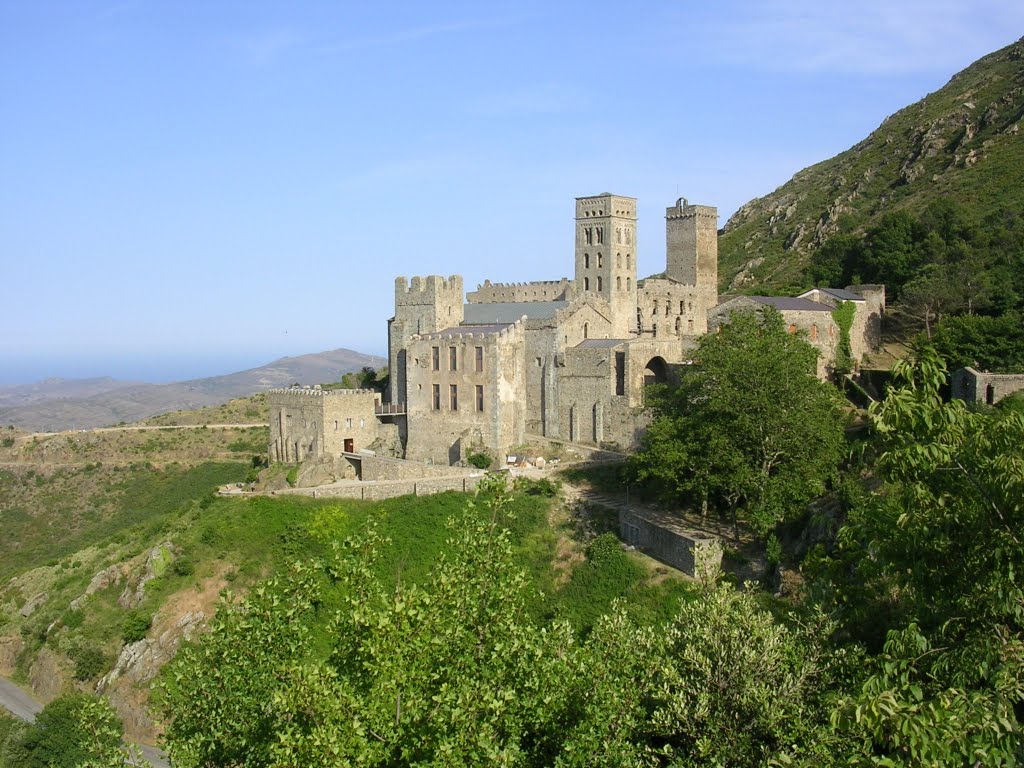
(191, 188)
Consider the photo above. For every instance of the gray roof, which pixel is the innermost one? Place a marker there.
(841, 293)
(600, 343)
(452, 332)
(786, 302)
(510, 312)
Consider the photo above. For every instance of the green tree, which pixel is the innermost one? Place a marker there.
(987, 343)
(936, 552)
(71, 731)
(749, 427)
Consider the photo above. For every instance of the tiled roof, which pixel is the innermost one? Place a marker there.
(842, 294)
(786, 302)
(509, 312)
(448, 333)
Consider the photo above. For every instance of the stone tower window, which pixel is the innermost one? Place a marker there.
(679, 325)
(435, 357)
(618, 261)
(689, 326)
(453, 396)
(600, 261)
(600, 283)
(627, 284)
(600, 235)
(437, 397)
(479, 359)
(628, 261)
(586, 261)
(586, 330)
(586, 283)
(453, 358)
(629, 236)
(618, 235)
(479, 398)
(618, 283)
(588, 234)
(682, 307)
(814, 331)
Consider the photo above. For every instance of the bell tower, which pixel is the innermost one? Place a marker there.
(606, 256)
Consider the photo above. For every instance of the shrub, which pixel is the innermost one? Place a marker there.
(135, 626)
(480, 459)
(89, 661)
(183, 566)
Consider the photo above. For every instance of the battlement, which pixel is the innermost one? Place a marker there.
(316, 391)
(606, 204)
(541, 290)
(683, 210)
(426, 290)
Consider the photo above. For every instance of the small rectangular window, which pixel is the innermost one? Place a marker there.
(348, 423)
(453, 393)
(479, 359)
(436, 358)
(437, 397)
(479, 397)
(453, 359)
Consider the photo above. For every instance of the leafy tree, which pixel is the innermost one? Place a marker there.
(937, 552)
(71, 731)
(750, 426)
(988, 343)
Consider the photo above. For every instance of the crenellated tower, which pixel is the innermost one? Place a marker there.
(422, 305)
(691, 248)
(606, 256)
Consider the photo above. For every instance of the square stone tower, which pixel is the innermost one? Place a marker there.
(422, 305)
(606, 256)
(691, 233)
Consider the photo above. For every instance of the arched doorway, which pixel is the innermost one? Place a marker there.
(655, 372)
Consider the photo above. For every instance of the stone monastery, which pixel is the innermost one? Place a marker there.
(567, 359)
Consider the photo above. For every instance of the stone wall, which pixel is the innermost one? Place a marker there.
(544, 290)
(979, 387)
(376, 468)
(487, 383)
(307, 422)
(667, 308)
(378, 491)
(696, 554)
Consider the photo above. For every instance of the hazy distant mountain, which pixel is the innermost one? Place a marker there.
(57, 388)
(57, 404)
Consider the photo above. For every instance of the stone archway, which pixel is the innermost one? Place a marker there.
(656, 371)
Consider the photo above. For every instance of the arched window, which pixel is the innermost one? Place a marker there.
(627, 284)
(600, 283)
(679, 325)
(618, 283)
(628, 261)
(600, 261)
(814, 332)
(586, 330)
(586, 261)
(586, 283)
(618, 261)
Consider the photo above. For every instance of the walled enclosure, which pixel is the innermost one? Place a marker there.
(974, 386)
(309, 422)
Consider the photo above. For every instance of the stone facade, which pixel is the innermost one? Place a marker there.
(980, 387)
(562, 359)
(696, 554)
(308, 422)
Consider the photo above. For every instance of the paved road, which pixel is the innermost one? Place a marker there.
(22, 705)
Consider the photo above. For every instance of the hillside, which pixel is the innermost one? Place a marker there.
(963, 142)
(135, 402)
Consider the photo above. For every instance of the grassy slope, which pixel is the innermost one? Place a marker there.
(917, 155)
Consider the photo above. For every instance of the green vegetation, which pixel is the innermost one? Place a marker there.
(71, 731)
(749, 430)
(367, 378)
(958, 143)
(984, 343)
(480, 459)
(843, 315)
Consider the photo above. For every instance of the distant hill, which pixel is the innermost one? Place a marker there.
(55, 405)
(964, 142)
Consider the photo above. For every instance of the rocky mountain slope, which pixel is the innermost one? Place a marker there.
(962, 142)
(139, 401)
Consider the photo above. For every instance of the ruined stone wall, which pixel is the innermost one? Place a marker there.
(545, 290)
(695, 554)
(489, 410)
(309, 422)
(667, 308)
(383, 468)
(978, 387)
(390, 490)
